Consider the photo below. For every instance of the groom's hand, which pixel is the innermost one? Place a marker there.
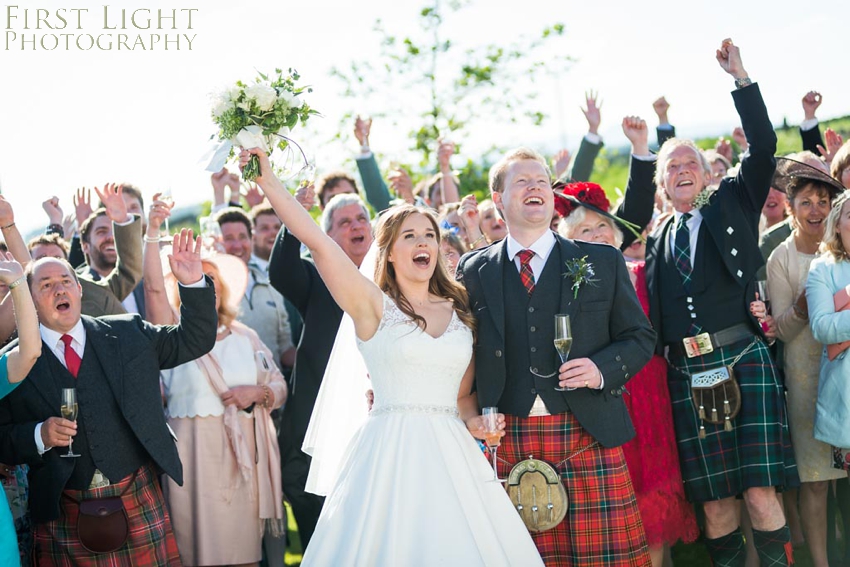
(580, 373)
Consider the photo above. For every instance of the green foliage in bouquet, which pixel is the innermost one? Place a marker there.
(261, 114)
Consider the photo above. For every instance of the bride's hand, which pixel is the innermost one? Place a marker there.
(478, 428)
(265, 164)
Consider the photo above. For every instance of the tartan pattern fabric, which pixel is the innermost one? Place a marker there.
(151, 542)
(603, 525)
(682, 246)
(774, 548)
(757, 452)
(525, 273)
(728, 550)
(72, 359)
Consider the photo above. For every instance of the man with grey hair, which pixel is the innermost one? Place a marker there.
(346, 220)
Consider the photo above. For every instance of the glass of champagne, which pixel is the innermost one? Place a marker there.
(492, 437)
(69, 412)
(764, 296)
(563, 342)
(166, 196)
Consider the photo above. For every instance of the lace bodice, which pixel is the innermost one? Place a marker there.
(412, 371)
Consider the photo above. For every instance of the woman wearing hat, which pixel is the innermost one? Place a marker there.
(651, 456)
(810, 194)
(218, 407)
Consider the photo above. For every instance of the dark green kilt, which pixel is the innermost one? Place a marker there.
(757, 452)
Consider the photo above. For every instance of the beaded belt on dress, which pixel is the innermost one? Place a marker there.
(415, 408)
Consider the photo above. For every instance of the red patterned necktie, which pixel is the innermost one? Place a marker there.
(525, 273)
(72, 359)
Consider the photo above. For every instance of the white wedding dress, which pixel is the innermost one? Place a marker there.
(413, 489)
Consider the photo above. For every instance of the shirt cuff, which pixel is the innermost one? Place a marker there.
(601, 382)
(668, 127)
(809, 124)
(200, 283)
(650, 157)
(130, 220)
(39, 444)
(363, 155)
(594, 139)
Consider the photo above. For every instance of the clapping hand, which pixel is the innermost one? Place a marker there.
(113, 202)
(185, 257)
(10, 269)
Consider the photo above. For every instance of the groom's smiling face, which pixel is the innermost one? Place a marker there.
(527, 198)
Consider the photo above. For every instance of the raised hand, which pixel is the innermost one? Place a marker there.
(811, 102)
(54, 212)
(592, 113)
(724, 148)
(306, 196)
(116, 208)
(219, 182)
(445, 151)
(253, 195)
(402, 184)
(740, 138)
(159, 211)
(833, 141)
(468, 213)
(265, 165)
(634, 127)
(7, 215)
(562, 162)
(661, 106)
(729, 57)
(67, 225)
(185, 257)
(10, 269)
(235, 183)
(362, 128)
(82, 205)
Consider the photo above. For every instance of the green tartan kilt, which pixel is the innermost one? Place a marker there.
(757, 452)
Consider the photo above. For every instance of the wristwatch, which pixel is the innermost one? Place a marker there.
(743, 82)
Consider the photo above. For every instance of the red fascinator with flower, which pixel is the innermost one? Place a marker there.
(584, 192)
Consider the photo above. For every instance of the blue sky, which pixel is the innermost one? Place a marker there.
(82, 118)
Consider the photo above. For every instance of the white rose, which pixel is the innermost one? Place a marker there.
(234, 92)
(221, 104)
(289, 98)
(264, 96)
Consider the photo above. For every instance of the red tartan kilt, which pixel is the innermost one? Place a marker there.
(151, 541)
(603, 525)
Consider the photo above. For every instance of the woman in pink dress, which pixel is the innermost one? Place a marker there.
(651, 456)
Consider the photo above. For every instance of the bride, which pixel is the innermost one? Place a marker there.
(414, 488)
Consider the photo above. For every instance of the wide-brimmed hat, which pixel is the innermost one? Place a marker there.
(787, 169)
(568, 196)
(233, 272)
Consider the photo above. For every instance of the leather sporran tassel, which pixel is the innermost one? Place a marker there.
(727, 426)
(701, 431)
(701, 407)
(713, 407)
(727, 409)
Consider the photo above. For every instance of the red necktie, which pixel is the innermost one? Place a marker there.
(525, 273)
(72, 359)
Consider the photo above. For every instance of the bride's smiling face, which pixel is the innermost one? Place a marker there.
(416, 251)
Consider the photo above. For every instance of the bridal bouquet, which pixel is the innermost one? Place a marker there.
(259, 115)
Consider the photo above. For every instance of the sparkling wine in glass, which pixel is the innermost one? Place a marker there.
(563, 342)
(69, 412)
(166, 196)
(210, 233)
(492, 437)
(761, 288)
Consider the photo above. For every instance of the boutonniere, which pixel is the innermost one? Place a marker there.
(581, 272)
(703, 197)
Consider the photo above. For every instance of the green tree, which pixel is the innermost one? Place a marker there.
(449, 87)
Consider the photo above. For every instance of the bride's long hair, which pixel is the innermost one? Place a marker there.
(386, 234)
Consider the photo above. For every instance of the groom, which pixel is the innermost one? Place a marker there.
(515, 288)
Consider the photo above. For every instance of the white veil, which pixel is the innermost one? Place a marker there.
(341, 406)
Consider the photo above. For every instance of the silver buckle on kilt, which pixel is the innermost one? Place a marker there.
(698, 345)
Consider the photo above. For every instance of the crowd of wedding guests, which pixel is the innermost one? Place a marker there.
(239, 369)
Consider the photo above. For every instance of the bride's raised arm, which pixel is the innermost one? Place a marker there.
(356, 294)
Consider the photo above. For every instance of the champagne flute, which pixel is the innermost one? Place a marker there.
(210, 233)
(166, 197)
(761, 291)
(563, 342)
(492, 437)
(69, 412)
